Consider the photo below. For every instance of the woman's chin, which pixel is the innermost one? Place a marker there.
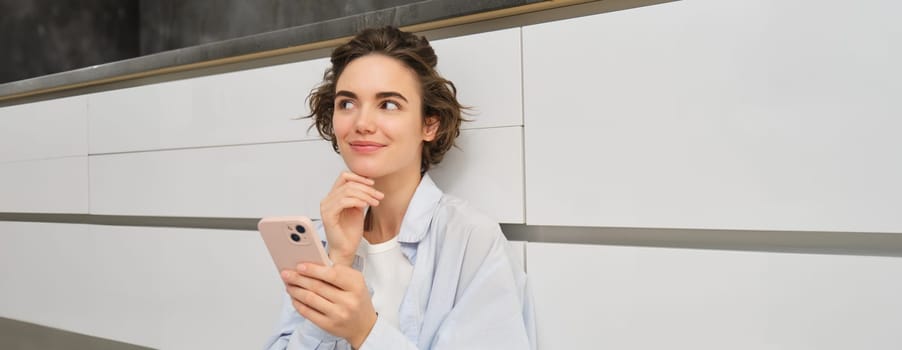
(365, 170)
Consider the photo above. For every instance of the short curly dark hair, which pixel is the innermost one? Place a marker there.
(439, 94)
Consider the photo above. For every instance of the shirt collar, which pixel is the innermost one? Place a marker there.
(420, 211)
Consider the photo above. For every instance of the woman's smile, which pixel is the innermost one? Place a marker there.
(365, 147)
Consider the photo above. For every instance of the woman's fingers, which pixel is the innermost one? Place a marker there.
(348, 203)
(337, 200)
(323, 289)
(342, 277)
(308, 312)
(356, 187)
(333, 209)
(347, 176)
(327, 281)
(312, 300)
(348, 180)
(369, 195)
(321, 297)
(348, 311)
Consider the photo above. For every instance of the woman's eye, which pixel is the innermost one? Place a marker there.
(389, 105)
(345, 105)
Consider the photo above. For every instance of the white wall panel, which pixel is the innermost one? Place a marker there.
(486, 170)
(250, 106)
(157, 287)
(57, 185)
(258, 105)
(46, 129)
(773, 115)
(241, 181)
(287, 178)
(604, 297)
(485, 68)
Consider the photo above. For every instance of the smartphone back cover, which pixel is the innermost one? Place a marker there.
(286, 252)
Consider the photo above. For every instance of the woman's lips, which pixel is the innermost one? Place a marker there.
(365, 146)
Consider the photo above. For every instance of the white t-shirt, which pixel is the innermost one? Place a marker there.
(387, 271)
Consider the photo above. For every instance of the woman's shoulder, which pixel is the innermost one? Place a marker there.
(464, 223)
(461, 212)
(474, 242)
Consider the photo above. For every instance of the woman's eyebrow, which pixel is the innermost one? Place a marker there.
(347, 94)
(387, 94)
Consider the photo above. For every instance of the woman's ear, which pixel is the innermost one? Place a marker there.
(430, 128)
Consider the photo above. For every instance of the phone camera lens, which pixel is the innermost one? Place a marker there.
(295, 237)
(300, 228)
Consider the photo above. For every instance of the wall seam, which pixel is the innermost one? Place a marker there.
(523, 123)
(88, 150)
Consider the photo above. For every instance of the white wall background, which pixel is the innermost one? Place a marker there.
(158, 287)
(604, 297)
(742, 114)
(767, 115)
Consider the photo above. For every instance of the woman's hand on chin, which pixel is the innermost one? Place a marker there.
(343, 212)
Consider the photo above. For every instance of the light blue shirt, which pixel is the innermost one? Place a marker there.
(466, 292)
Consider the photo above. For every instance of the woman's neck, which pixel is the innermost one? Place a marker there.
(386, 218)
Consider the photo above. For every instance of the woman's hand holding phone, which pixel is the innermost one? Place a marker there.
(343, 212)
(334, 298)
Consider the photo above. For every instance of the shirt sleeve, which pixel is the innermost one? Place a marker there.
(385, 336)
(297, 333)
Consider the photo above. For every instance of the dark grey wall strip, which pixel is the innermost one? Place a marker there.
(28, 336)
(143, 221)
(845, 243)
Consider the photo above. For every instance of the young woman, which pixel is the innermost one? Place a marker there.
(414, 268)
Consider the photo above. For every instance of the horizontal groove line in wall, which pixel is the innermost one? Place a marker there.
(493, 127)
(204, 147)
(808, 242)
(250, 144)
(29, 160)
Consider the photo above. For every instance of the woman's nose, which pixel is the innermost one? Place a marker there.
(365, 123)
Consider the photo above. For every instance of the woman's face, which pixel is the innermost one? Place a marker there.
(378, 121)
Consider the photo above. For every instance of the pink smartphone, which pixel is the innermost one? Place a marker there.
(292, 240)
